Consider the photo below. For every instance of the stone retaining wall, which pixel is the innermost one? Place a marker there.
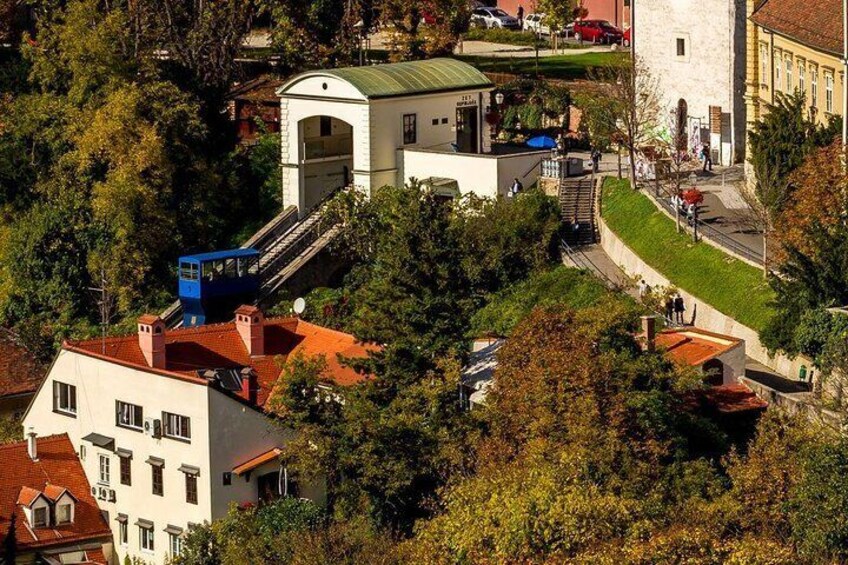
(707, 317)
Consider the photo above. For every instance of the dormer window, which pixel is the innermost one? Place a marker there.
(40, 517)
(64, 514)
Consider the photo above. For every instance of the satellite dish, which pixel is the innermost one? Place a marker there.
(299, 306)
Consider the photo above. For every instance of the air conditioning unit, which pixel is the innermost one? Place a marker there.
(153, 427)
(112, 497)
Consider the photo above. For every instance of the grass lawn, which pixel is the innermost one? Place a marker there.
(563, 67)
(729, 285)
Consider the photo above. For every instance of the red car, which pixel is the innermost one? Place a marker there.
(597, 31)
(626, 38)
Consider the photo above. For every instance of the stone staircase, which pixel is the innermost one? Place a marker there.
(577, 202)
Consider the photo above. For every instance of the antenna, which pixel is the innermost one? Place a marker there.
(104, 304)
(299, 306)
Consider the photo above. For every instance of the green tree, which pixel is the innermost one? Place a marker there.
(778, 144)
(315, 34)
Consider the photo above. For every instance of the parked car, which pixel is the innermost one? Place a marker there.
(597, 31)
(625, 39)
(535, 23)
(493, 18)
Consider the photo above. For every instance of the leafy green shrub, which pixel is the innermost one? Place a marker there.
(560, 286)
(505, 36)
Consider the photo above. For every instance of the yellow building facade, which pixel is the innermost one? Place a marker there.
(795, 45)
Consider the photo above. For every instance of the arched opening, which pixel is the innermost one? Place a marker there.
(326, 157)
(682, 121)
(713, 372)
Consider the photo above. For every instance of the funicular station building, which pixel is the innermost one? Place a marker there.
(382, 125)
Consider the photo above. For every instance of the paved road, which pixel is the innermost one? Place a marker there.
(725, 210)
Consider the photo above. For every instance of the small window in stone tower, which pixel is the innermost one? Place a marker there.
(681, 47)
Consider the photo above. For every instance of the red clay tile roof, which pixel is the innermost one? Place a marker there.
(255, 462)
(263, 89)
(20, 373)
(733, 398)
(53, 492)
(94, 557)
(692, 346)
(814, 24)
(28, 495)
(57, 464)
(219, 346)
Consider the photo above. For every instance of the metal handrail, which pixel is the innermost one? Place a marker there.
(582, 261)
(719, 238)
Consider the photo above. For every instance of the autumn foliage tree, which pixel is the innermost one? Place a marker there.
(819, 197)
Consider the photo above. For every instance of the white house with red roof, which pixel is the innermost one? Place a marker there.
(171, 425)
(47, 511)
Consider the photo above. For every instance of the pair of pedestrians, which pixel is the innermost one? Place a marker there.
(674, 309)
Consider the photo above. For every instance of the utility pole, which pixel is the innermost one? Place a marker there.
(844, 73)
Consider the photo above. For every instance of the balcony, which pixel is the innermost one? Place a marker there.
(328, 147)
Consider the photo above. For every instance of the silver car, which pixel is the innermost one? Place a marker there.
(493, 18)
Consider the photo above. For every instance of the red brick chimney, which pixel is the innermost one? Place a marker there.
(151, 340)
(649, 332)
(249, 385)
(250, 323)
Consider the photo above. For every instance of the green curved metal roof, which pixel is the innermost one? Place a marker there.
(412, 77)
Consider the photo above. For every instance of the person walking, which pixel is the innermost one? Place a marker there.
(521, 16)
(707, 155)
(516, 187)
(679, 308)
(669, 308)
(596, 160)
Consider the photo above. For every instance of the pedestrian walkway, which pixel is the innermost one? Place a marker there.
(725, 210)
(593, 258)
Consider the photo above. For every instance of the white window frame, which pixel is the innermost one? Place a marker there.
(146, 542)
(175, 544)
(69, 407)
(183, 423)
(788, 62)
(764, 63)
(802, 76)
(104, 467)
(814, 87)
(40, 523)
(778, 83)
(124, 533)
(65, 505)
(828, 92)
(125, 415)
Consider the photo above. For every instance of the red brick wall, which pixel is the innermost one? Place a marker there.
(613, 11)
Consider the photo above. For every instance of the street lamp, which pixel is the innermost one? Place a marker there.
(499, 98)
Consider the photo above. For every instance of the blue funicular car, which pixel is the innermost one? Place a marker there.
(213, 285)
